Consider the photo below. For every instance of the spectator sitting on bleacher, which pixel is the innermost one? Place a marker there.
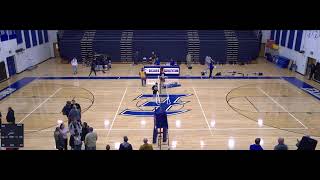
(256, 146)
(281, 145)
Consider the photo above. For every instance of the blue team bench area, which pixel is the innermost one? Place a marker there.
(168, 70)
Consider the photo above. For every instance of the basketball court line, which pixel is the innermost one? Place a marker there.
(282, 107)
(205, 117)
(117, 112)
(201, 129)
(40, 104)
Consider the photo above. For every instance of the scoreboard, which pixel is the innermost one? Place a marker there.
(12, 136)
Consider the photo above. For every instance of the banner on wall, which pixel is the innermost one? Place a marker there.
(312, 43)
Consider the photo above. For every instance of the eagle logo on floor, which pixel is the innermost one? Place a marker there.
(146, 105)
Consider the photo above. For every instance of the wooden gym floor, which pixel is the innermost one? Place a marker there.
(223, 113)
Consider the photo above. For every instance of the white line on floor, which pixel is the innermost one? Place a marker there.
(115, 116)
(282, 107)
(200, 129)
(40, 104)
(205, 117)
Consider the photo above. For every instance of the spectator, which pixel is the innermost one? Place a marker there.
(58, 139)
(74, 63)
(125, 145)
(155, 90)
(91, 139)
(76, 104)
(172, 62)
(312, 71)
(10, 116)
(107, 147)
(281, 145)
(189, 59)
(143, 77)
(93, 68)
(64, 132)
(136, 58)
(211, 69)
(145, 145)
(85, 131)
(75, 126)
(75, 141)
(74, 115)
(256, 146)
(66, 109)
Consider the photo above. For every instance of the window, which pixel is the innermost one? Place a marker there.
(46, 38)
(298, 40)
(40, 37)
(27, 38)
(19, 36)
(291, 38)
(34, 38)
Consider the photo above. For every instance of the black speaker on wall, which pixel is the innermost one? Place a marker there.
(3, 71)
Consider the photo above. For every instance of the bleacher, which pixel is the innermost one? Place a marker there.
(213, 43)
(70, 45)
(248, 45)
(108, 42)
(165, 43)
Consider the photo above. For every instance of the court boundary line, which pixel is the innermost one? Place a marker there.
(40, 104)
(177, 129)
(282, 107)
(205, 117)
(117, 112)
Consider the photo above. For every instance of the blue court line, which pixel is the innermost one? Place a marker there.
(15, 87)
(304, 86)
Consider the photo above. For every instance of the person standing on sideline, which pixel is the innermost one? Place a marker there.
(145, 145)
(155, 90)
(85, 130)
(67, 108)
(211, 69)
(281, 145)
(74, 115)
(312, 71)
(107, 147)
(125, 145)
(64, 132)
(75, 141)
(10, 116)
(58, 139)
(90, 140)
(136, 58)
(93, 68)
(74, 63)
(256, 146)
(143, 77)
(189, 59)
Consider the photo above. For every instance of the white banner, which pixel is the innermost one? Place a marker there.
(171, 70)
